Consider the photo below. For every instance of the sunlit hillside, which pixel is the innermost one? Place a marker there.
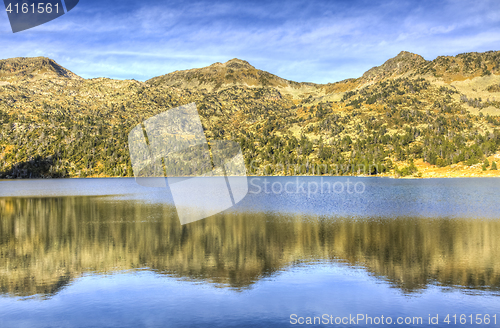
(407, 117)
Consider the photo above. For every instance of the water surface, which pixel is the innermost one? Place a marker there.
(109, 253)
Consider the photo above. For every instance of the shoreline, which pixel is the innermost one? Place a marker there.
(275, 176)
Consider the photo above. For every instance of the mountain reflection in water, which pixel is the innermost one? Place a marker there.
(45, 243)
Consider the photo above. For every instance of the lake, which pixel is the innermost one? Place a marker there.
(359, 252)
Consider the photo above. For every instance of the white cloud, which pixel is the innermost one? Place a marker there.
(320, 42)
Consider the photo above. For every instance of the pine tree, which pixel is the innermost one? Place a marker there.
(486, 164)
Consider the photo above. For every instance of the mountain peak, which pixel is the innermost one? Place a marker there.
(238, 63)
(234, 72)
(234, 63)
(30, 67)
(407, 54)
(403, 63)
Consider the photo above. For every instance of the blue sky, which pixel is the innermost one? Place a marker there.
(301, 40)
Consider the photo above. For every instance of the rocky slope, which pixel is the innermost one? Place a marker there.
(22, 69)
(235, 72)
(407, 117)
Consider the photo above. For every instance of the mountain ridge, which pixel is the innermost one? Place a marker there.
(31, 67)
(407, 116)
(240, 72)
(218, 76)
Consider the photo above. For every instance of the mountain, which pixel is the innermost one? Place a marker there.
(217, 76)
(408, 116)
(29, 68)
(405, 62)
(235, 72)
